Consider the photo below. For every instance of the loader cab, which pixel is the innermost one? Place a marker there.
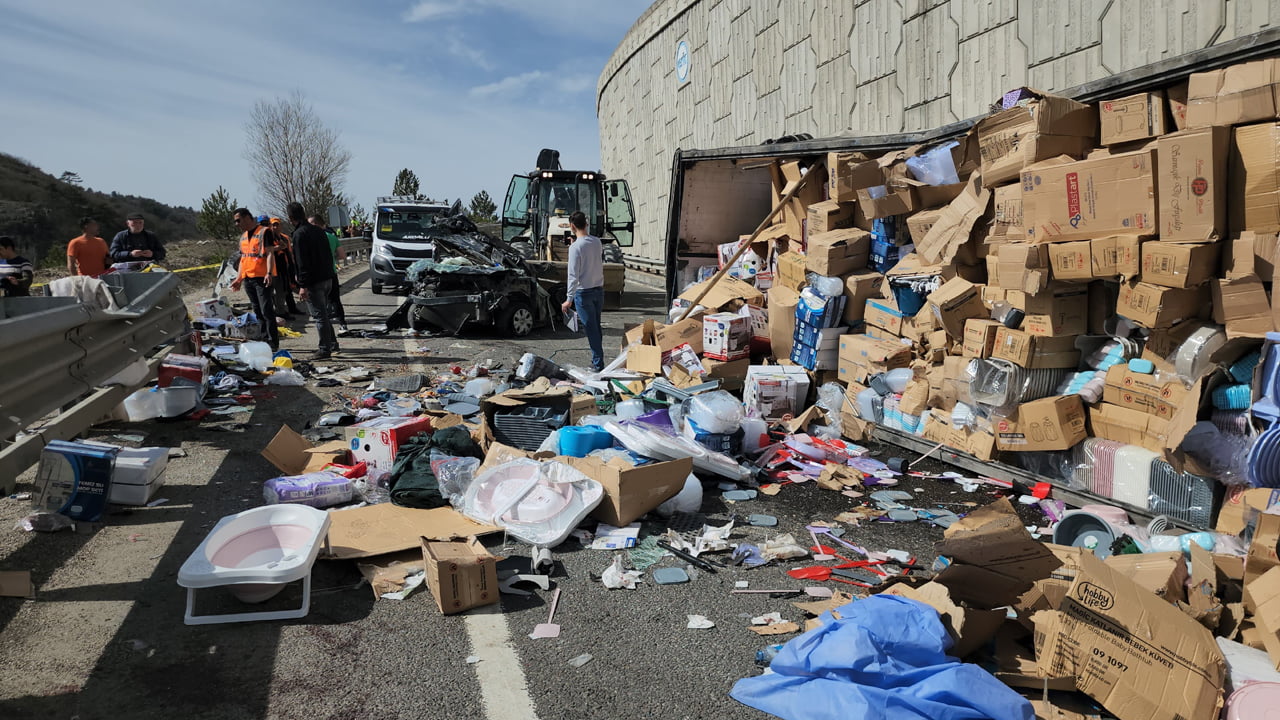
(535, 213)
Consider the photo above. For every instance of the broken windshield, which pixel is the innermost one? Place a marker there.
(407, 223)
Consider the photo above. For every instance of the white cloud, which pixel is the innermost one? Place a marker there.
(511, 84)
(430, 10)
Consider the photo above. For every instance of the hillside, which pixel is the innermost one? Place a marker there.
(41, 212)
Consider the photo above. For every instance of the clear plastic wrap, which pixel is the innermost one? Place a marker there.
(1224, 455)
(1001, 384)
(1093, 466)
(454, 474)
(318, 490)
(714, 412)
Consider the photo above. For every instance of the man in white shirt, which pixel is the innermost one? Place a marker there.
(586, 285)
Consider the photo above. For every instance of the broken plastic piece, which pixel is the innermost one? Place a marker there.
(699, 622)
(762, 520)
(670, 576)
(580, 660)
(739, 495)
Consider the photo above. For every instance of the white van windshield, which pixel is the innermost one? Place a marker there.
(406, 223)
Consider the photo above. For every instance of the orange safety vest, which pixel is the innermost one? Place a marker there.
(254, 253)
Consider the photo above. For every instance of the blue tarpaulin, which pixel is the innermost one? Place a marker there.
(884, 659)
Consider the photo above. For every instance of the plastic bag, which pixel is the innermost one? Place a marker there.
(935, 166)
(714, 412)
(688, 500)
(454, 474)
(286, 377)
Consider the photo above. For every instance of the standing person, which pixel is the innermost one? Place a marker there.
(316, 276)
(586, 285)
(87, 254)
(16, 272)
(335, 299)
(137, 244)
(257, 268)
(285, 270)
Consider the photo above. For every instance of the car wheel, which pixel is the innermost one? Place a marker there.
(517, 318)
(375, 288)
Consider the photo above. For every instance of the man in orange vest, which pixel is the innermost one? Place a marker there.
(257, 269)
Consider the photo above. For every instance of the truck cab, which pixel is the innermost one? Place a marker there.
(399, 238)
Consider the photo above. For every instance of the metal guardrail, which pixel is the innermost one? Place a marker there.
(56, 350)
(353, 250)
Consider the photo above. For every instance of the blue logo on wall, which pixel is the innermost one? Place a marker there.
(682, 61)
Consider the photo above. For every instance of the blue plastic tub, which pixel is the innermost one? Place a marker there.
(580, 440)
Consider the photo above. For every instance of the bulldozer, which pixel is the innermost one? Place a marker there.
(535, 219)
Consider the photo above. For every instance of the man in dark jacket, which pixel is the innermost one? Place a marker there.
(137, 244)
(314, 269)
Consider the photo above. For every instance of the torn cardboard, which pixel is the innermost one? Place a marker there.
(386, 528)
(993, 557)
(293, 454)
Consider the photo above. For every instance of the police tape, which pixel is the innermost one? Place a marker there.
(153, 269)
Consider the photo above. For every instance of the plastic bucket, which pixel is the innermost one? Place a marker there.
(580, 440)
(1085, 530)
(910, 302)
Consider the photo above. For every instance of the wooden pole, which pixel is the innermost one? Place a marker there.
(768, 220)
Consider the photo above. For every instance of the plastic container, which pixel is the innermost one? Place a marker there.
(910, 302)
(755, 435)
(256, 355)
(1131, 483)
(897, 379)
(401, 407)
(580, 440)
(1256, 701)
(868, 403)
(1232, 397)
(142, 405)
(176, 400)
(630, 409)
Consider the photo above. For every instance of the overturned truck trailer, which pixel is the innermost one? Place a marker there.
(1005, 258)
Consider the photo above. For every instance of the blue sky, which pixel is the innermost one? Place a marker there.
(150, 97)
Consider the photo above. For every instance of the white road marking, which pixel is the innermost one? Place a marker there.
(503, 688)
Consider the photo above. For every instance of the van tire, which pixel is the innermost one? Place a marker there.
(375, 287)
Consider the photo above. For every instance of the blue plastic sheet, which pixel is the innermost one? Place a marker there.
(885, 659)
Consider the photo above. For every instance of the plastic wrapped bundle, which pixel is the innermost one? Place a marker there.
(1182, 496)
(714, 412)
(318, 490)
(1000, 383)
(1094, 464)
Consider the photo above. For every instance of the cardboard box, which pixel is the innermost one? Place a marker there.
(782, 319)
(1265, 594)
(979, 337)
(293, 454)
(1023, 266)
(1136, 427)
(879, 314)
(461, 575)
(1252, 253)
(727, 294)
(1035, 351)
(858, 287)
(847, 172)
(1129, 255)
(994, 560)
(918, 223)
(826, 216)
(1072, 260)
(1059, 310)
(1234, 95)
(74, 479)
(656, 341)
(732, 375)
(632, 490)
(776, 390)
(1179, 265)
(972, 441)
(1136, 117)
(862, 356)
(1163, 574)
(1176, 96)
(539, 393)
(1052, 423)
(1263, 555)
(1241, 304)
(377, 441)
(1191, 182)
(1008, 212)
(954, 302)
(1143, 392)
(1253, 182)
(1243, 504)
(1090, 198)
(726, 336)
(1045, 127)
(950, 240)
(790, 271)
(839, 252)
(1152, 306)
(1137, 655)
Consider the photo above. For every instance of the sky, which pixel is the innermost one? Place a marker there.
(149, 97)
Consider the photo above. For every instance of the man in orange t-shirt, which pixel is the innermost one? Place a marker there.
(87, 254)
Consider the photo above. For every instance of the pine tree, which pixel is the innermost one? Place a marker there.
(215, 215)
(482, 208)
(406, 183)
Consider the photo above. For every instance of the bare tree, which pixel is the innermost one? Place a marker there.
(293, 154)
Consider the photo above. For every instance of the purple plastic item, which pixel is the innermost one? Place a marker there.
(318, 490)
(657, 418)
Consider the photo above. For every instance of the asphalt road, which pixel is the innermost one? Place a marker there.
(106, 639)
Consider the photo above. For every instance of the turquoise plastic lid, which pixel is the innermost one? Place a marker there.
(1140, 365)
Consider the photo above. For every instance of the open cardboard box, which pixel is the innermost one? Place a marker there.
(293, 454)
(461, 575)
(539, 393)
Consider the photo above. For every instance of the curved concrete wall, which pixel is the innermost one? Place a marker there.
(761, 69)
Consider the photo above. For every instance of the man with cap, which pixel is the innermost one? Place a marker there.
(285, 270)
(137, 244)
(257, 271)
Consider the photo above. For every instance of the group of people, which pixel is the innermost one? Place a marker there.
(273, 263)
(88, 254)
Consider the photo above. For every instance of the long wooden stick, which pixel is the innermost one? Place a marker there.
(768, 220)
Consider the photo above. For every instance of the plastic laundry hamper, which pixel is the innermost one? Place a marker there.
(1190, 498)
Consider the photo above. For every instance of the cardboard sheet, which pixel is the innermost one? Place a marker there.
(386, 528)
